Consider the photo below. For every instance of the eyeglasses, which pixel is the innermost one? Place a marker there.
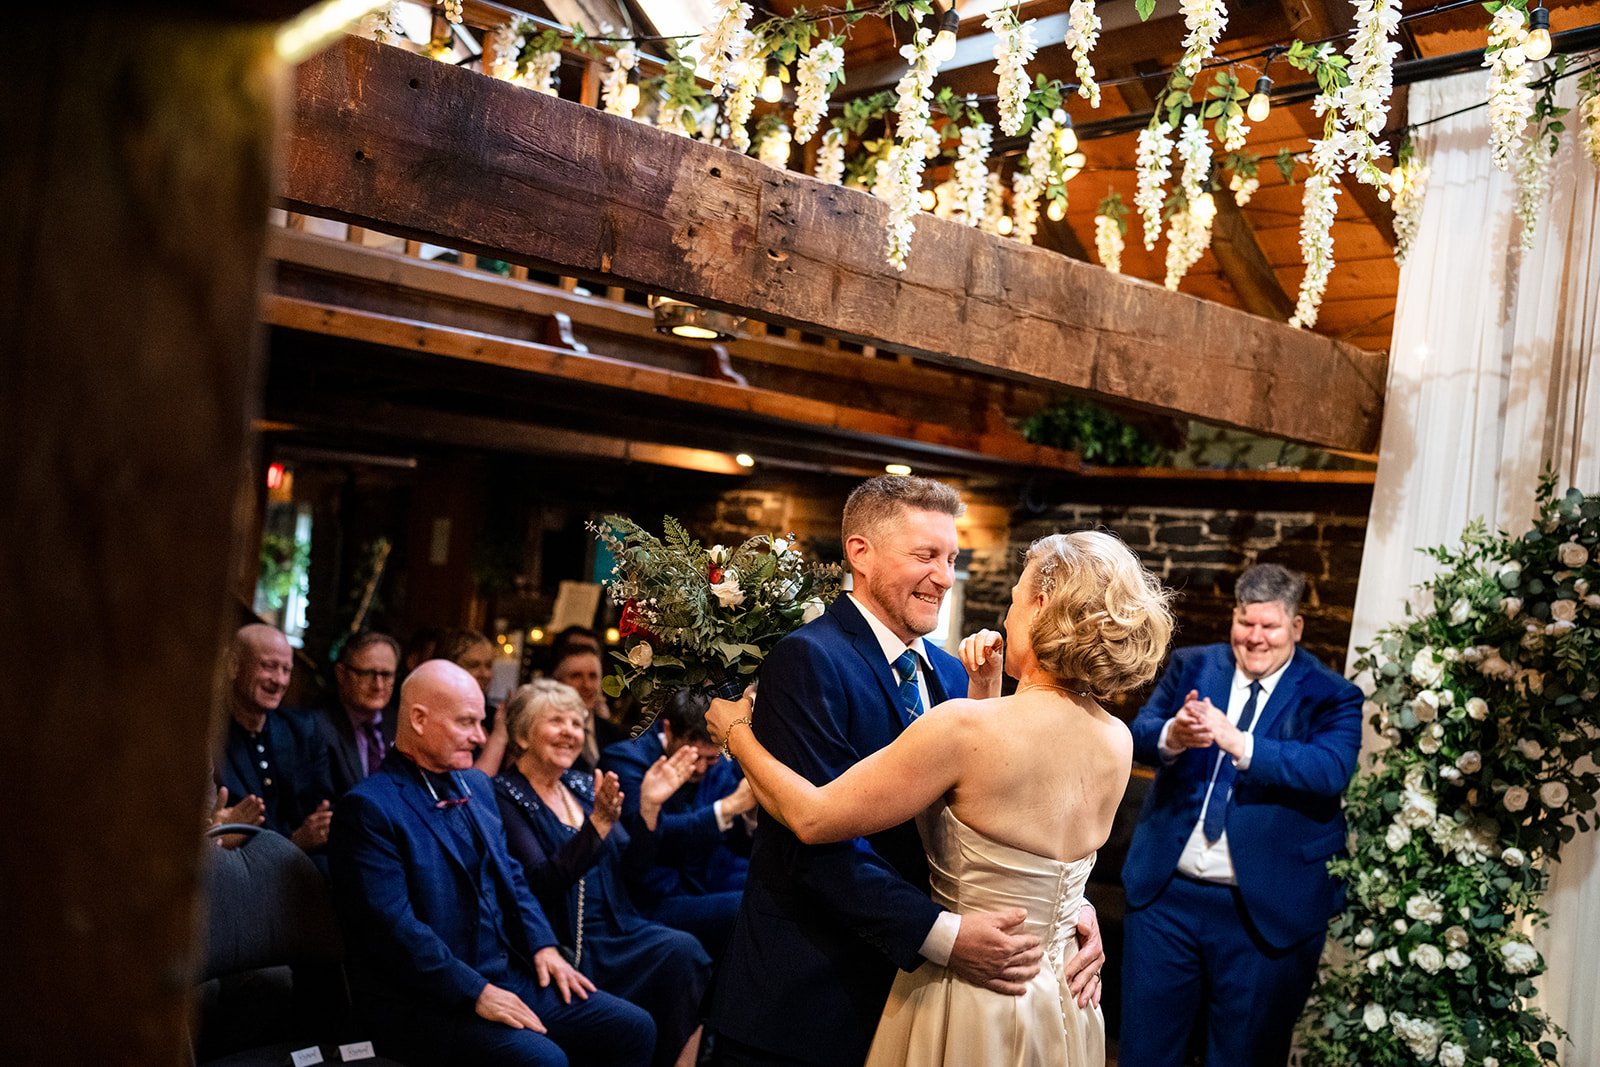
(365, 675)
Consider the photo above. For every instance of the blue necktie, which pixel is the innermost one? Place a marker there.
(910, 699)
(1225, 773)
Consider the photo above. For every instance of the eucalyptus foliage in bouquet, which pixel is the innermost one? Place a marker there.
(696, 617)
(1486, 697)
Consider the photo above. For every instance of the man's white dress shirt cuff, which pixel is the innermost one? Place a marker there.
(1243, 761)
(941, 940)
(1168, 753)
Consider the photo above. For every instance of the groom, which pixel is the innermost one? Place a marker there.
(822, 927)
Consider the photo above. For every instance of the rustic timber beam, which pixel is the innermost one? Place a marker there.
(1245, 265)
(386, 138)
(997, 447)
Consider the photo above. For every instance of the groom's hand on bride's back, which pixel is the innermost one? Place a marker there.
(992, 951)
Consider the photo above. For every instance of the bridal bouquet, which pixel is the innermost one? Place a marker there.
(696, 617)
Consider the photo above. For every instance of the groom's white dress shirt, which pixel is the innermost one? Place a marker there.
(941, 940)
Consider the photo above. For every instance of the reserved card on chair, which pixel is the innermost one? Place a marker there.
(359, 1050)
(306, 1057)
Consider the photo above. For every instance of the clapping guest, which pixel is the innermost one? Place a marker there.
(562, 827)
(698, 877)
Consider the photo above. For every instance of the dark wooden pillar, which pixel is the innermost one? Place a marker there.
(135, 170)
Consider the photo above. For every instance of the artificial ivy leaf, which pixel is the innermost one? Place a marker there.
(1145, 8)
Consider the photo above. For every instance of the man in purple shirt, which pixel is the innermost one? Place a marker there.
(356, 729)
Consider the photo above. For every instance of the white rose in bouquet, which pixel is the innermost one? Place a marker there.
(1469, 762)
(1365, 937)
(1424, 908)
(1374, 1018)
(1428, 743)
(1572, 554)
(1455, 937)
(1452, 1055)
(1417, 809)
(1455, 960)
(1516, 799)
(1477, 710)
(812, 611)
(641, 655)
(727, 591)
(1553, 794)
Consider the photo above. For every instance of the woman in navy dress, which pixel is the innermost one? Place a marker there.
(578, 862)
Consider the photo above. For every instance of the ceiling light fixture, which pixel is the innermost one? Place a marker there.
(683, 319)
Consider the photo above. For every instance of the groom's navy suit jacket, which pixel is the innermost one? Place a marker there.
(1284, 821)
(822, 927)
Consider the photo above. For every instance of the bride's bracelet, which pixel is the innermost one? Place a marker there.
(728, 737)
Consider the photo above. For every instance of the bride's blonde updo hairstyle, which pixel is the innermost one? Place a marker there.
(1105, 623)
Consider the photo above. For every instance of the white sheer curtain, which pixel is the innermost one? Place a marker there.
(1494, 373)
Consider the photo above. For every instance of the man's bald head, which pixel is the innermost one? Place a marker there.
(261, 662)
(441, 717)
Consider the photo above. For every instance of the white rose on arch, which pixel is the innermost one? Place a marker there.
(1374, 1018)
(1425, 706)
(1572, 554)
(1516, 799)
(1530, 748)
(1564, 610)
(1455, 937)
(1469, 762)
(1427, 958)
(1455, 960)
(1452, 1055)
(1519, 957)
(1553, 794)
(1510, 574)
(1461, 611)
(1477, 710)
(1513, 857)
(1428, 743)
(1511, 605)
(1426, 669)
(1397, 837)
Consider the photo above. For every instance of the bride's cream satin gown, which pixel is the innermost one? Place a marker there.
(934, 1019)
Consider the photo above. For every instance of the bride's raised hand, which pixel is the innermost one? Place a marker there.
(983, 655)
(723, 713)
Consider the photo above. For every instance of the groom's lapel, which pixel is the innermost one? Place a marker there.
(866, 645)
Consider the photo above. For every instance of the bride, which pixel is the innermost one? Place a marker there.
(1012, 796)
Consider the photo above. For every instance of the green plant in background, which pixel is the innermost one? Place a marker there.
(283, 561)
(1096, 434)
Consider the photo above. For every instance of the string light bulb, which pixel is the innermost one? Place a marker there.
(1204, 207)
(630, 92)
(772, 84)
(1260, 105)
(1066, 136)
(1004, 226)
(1537, 46)
(927, 200)
(943, 49)
(1057, 210)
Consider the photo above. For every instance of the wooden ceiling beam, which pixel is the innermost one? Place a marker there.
(424, 150)
(996, 447)
(1245, 265)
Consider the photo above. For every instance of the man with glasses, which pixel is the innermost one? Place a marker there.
(357, 730)
(269, 753)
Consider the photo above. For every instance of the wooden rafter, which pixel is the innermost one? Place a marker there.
(422, 149)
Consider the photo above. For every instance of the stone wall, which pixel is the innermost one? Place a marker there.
(1200, 550)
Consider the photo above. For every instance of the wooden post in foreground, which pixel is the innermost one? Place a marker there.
(135, 170)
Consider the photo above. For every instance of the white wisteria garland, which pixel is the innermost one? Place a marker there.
(541, 73)
(1364, 103)
(1510, 97)
(1025, 192)
(1206, 20)
(1533, 185)
(746, 74)
(453, 11)
(1589, 115)
(1243, 188)
(386, 25)
(1013, 50)
(994, 203)
(900, 176)
(1318, 208)
(971, 169)
(1194, 150)
(1108, 242)
(814, 76)
(723, 44)
(1154, 168)
(1408, 185)
(1188, 237)
(830, 156)
(503, 46)
(614, 82)
(1083, 33)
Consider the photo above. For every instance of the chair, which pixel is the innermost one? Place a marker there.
(273, 975)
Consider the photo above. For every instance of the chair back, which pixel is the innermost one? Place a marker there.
(269, 908)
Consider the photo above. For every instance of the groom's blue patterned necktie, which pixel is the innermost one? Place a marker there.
(910, 699)
(1223, 776)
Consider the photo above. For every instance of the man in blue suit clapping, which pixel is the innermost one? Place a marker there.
(451, 959)
(822, 927)
(1229, 894)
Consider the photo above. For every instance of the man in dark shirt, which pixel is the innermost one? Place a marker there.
(270, 753)
(451, 959)
(356, 729)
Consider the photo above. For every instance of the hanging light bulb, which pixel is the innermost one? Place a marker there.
(1261, 100)
(1004, 226)
(943, 49)
(1066, 136)
(772, 85)
(1057, 210)
(1072, 166)
(927, 200)
(1204, 207)
(1538, 43)
(630, 92)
